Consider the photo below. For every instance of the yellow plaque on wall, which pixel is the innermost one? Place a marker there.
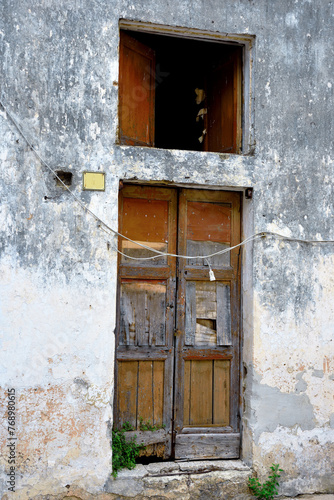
(93, 181)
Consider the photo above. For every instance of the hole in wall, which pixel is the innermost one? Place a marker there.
(64, 176)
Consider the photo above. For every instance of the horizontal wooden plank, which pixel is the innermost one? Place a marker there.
(207, 446)
(141, 353)
(148, 192)
(206, 354)
(147, 437)
(207, 429)
(161, 272)
(202, 273)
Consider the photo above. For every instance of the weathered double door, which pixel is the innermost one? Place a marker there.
(177, 352)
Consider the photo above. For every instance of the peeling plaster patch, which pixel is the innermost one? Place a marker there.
(275, 227)
(272, 408)
(94, 130)
(291, 20)
(67, 436)
(301, 385)
(331, 421)
(92, 394)
(294, 449)
(268, 89)
(302, 331)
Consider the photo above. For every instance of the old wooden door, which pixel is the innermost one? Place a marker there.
(177, 356)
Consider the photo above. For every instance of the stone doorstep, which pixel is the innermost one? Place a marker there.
(217, 479)
(157, 469)
(174, 480)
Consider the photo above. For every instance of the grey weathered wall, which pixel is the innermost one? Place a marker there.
(59, 73)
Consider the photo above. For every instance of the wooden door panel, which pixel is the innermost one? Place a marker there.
(147, 222)
(147, 216)
(200, 393)
(206, 393)
(208, 232)
(146, 297)
(203, 326)
(140, 392)
(143, 313)
(207, 446)
(127, 392)
(207, 353)
(221, 395)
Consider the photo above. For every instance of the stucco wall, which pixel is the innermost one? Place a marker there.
(59, 73)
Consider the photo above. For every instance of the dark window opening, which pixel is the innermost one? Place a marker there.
(177, 93)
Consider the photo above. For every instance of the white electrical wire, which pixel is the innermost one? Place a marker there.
(109, 230)
(204, 257)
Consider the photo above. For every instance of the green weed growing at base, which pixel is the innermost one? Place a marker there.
(268, 489)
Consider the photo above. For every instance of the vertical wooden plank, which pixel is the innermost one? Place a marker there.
(190, 326)
(140, 315)
(201, 393)
(145, 391)
(221, 392)
(224, 336)
(187, 391)
(125, 318)
(127, 391)
(152, 319)
(157, 318)
(158, 392)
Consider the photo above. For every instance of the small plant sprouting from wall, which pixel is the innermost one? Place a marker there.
(124, 452)
(268, 489)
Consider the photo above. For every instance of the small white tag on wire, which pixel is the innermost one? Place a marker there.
(212, 275)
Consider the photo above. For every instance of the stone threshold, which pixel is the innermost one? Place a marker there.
(223, 479)
(179, 467)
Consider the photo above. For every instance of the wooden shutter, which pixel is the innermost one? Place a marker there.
(136, 92)
(223, 119)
